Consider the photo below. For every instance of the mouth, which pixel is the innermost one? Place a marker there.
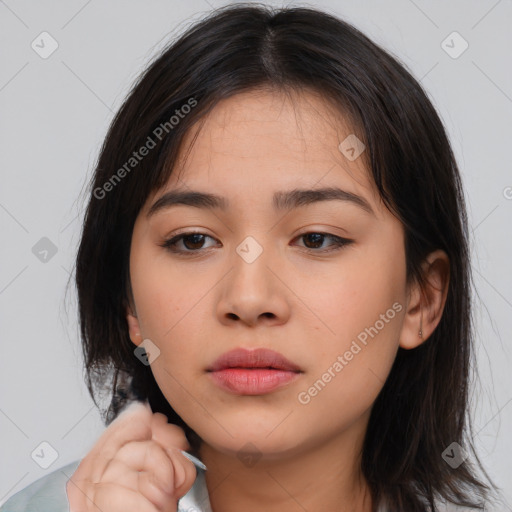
(259, 358)
(253, 372)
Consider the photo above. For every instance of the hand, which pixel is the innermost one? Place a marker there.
(135, 466)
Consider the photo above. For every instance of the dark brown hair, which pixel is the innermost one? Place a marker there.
(423, 406)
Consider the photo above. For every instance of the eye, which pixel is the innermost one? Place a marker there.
(315, 239)
(194, 242)
(191, 241)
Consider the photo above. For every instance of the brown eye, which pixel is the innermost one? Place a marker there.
(314, 241)
(193, 242)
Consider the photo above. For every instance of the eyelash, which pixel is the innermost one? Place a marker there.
(170, 244)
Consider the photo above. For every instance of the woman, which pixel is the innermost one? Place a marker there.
(275, 259)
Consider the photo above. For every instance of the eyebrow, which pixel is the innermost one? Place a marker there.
(282, 201)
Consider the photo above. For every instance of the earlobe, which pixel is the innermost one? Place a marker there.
(133, 327)
(425, 307)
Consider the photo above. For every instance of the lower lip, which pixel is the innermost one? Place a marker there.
(258, 381)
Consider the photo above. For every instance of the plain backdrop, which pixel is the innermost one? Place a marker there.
(55, 110)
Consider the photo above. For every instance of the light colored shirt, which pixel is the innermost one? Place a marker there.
(48, 494)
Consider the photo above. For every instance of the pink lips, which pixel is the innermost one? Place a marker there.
(253, 372)
(256, 358)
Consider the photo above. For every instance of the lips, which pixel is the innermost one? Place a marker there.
(255, 358)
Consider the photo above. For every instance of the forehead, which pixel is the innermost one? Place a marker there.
(256, 142)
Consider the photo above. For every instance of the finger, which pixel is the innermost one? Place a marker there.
(133, 424)
(109, 497)
(143, 456)
(144, 482)
(168, 434)
(185, 467)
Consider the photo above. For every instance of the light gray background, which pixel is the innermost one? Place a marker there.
(55, 112)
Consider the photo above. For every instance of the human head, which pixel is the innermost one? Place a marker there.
(412, 167)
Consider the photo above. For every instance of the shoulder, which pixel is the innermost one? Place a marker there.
(47, 494)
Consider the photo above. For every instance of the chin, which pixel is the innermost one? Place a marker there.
(251, 441)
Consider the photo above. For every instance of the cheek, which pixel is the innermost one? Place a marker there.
(354, 297)
(363, 313)
(163, 294)
(348, 374)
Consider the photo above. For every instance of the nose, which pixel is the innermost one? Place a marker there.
(252, 291)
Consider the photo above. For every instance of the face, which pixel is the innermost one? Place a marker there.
(321, 282)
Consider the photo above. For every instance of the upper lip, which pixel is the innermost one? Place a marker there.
(254, 358)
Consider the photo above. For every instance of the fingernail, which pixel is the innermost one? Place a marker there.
(193, 459)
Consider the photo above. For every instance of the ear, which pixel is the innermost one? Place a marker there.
(425, 307)
(133, 326)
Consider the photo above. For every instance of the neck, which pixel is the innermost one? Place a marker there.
(321, 476)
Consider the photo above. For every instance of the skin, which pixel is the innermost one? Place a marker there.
(136, 464)
(307, 304)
